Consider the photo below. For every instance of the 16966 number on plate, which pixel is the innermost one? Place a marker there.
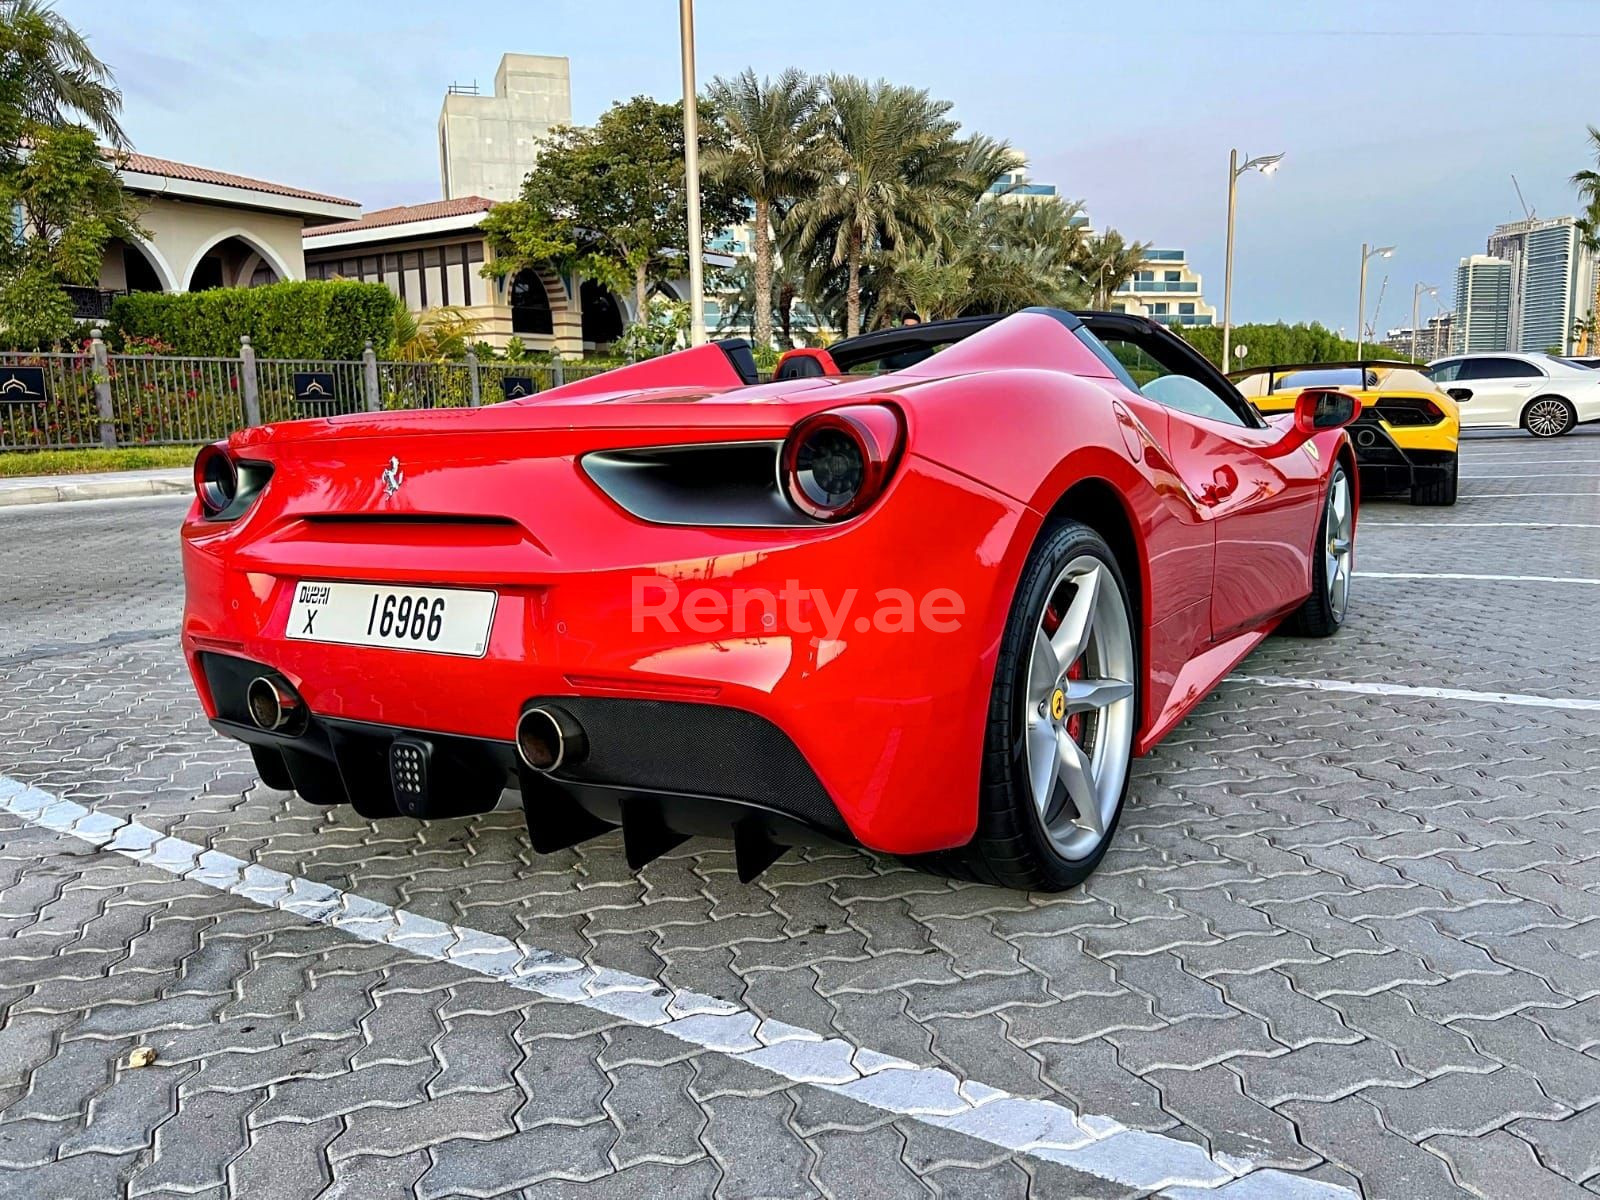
(438, 620)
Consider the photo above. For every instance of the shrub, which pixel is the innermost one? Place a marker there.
(298, 319)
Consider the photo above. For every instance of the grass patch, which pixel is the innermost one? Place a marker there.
(79, 462)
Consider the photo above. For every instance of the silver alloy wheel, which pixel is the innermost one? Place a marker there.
(1079, 717)
(1339, 544)
(1547, 418)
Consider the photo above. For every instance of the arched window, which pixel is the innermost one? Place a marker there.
(602, 316)
(530, 304)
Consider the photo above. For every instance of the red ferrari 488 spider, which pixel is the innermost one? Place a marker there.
(927, 592)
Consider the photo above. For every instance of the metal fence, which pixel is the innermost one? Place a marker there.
(96, 398)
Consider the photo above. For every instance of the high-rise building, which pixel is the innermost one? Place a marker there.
(1166, 289)
(487, 143)
(1483, 304)
(1551, 281)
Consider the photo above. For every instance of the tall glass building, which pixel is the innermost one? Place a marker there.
(1483, 304)
(1551, 282)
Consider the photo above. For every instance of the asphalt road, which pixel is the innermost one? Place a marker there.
(1347, 943)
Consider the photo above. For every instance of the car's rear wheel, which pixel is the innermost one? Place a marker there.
(1061, 721)
(1549, 416)
(1440, 489)
(1334, 559)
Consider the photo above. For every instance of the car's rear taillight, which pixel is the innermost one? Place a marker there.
(216, 478)
(836, 463)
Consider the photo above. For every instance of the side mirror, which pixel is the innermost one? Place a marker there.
(1315, 410)
(1460, 394)
(1318, 409)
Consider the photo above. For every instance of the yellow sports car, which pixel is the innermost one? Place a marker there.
(1407, 436)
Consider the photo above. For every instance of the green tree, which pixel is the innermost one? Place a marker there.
(49, 77)
(784, 292)
(768, 157)
(64, 198)
(1269, 345)
(68, 205)
(889, 163)
(1108, 261)
(987, 257)
(609, 202)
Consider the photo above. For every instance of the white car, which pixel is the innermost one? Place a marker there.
(1539, 393)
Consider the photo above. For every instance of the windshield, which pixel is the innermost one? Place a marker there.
(1352, 377)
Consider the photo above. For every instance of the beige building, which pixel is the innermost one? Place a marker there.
(487, 143)
(206, 229)
(1166, 289)
(432, 256)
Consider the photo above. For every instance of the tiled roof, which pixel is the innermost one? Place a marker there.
(404, 214)
(147, 165)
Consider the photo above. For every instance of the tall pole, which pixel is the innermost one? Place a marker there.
(1416, 292)
(1361, 301)
(695, 250)
(1227, 262)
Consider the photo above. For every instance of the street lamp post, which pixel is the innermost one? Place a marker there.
(1266, 164)
(695, 251)
(1416, 294)
(1367, 255)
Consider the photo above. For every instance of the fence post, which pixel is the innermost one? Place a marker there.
(102, 389)
(556, 373)
(369, 374)
(249, 387)
(474, 394)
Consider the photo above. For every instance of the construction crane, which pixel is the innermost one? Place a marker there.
(1528, 212)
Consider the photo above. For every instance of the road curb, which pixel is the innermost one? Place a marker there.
(40, 491)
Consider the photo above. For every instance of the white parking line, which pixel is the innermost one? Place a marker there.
(1524, 495)
(1477, 525)
(1539, 475)
(1095, 1145)
(1512, 699)
(1477, 578)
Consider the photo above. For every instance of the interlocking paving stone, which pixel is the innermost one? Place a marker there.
(1569, 1146)
(1462, 1103)
(1389, 1166)
(1320, 1071)
(1501, 1165)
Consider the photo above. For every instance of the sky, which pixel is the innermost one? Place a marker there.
(1402, 122)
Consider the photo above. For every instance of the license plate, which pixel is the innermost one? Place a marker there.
(436, 620)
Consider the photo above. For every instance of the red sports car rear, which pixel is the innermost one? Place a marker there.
(934, 610)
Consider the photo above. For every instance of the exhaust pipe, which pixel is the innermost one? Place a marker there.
(273, 705)
(550, 738)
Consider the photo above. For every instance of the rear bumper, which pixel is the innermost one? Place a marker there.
(860, 734)
(673, 770)
(1398, 459)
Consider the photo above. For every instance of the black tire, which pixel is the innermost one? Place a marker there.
(1440, 490)
(1317, 617)
(1534, 416)
(1011, 848)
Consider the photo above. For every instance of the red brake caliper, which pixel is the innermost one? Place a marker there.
(1075, 721)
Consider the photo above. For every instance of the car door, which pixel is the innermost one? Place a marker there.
(1492, 392)
(1262, 507)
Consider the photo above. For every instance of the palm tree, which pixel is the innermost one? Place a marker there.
(48, 71)
(1107, 262)
(1587, 182)
(771, 127)
(890, 162)
(1589, 239)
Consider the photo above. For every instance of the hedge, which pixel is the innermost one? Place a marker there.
(298, 319)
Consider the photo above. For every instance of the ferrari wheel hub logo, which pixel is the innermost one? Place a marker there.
(392, 478)
(1058, 704)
